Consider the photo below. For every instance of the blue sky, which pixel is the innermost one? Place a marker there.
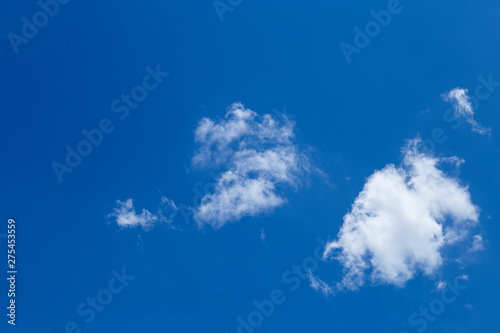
(345, 119)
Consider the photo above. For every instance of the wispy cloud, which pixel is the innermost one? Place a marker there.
(477, 244)
(319, 285)
(256, 155)
(462, 106)
(440, 285)
(126, 216)
(401, 221)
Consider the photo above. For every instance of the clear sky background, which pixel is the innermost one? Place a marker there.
(274, 57)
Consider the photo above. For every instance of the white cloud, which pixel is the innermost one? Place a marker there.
(477, 244)
(257, 157)
(440, 285)
(238, 130)
(319, 285)
(125, 215)
(402, 220)
(463, 108)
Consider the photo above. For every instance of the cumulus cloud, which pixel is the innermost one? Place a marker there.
(126, 216)
(401, 222)
(462, 106)
(257, 157)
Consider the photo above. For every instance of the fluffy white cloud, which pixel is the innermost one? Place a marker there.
(257, 156)
(463, 108)
(401, 222)
(126, 216)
